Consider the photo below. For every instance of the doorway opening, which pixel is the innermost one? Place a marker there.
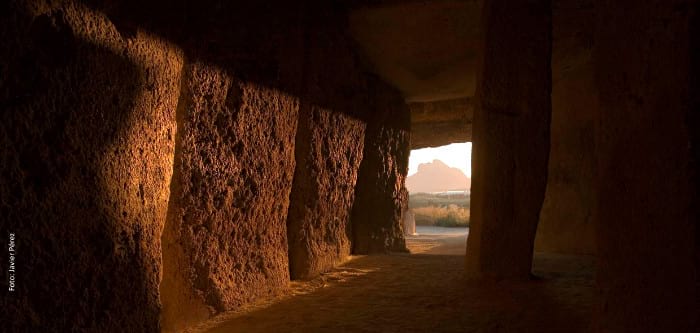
(439, 182)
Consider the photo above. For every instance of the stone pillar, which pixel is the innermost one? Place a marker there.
(511, 137)
(225, 240)
(566, 220)
(329, 151)
(381, 195)
(329, 146)
(87, 128)
(409, 223)
(646, 73)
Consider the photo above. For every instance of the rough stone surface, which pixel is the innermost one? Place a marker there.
(329, 145)
(234, 169)
(511, 138)
(430, 58)
(440, 123)
(329, 151)
(566, 220)
(647, 190)
(381, 195)
(90, 140)
(87, 132)
(427, 49)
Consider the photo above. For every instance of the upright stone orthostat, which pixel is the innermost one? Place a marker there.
(329, 151)
(381, 195)
(226, 236)
(87, 126)
(511, 137)
(566, 221)
(329, 144)
(646, 71)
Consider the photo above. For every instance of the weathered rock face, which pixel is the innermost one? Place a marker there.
(329, 152)
(511, 138)
(381, 195)
(225, 241)
(329, 145)
(647, 208)
(439, 123)
(566, 220)
(88, 131)
(235, 165)
(98, 167)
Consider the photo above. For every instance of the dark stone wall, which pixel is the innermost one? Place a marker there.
(234, 169)
(225, 241)
(329, 146)
(381, 195)
(440, 123)
(511, 133)
(645, 70)
(566, 220)
(87, 132)
(128, 124)
(329, 151)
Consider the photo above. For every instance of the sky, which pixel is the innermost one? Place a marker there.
(456, 155)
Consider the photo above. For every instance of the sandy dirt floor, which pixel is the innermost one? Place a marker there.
(424, 291)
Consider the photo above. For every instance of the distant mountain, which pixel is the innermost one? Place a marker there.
(437, 177)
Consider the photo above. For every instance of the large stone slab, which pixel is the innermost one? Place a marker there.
(87, 132)
(329, 151)
(381, 195)
(567, 223)
(233, 174)
(511, 138)
(646, 72)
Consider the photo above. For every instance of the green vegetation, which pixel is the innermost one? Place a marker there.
(418, 200)
(439, 210)
(452, 220)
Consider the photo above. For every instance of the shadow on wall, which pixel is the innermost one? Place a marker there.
(694, 125)
(82, 161)
(261, 43)
(91, 130)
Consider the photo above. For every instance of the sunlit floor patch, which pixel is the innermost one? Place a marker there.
(424, 292)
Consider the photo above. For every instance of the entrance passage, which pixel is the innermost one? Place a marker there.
(438, 240)
(439, 185)
(424, 291)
